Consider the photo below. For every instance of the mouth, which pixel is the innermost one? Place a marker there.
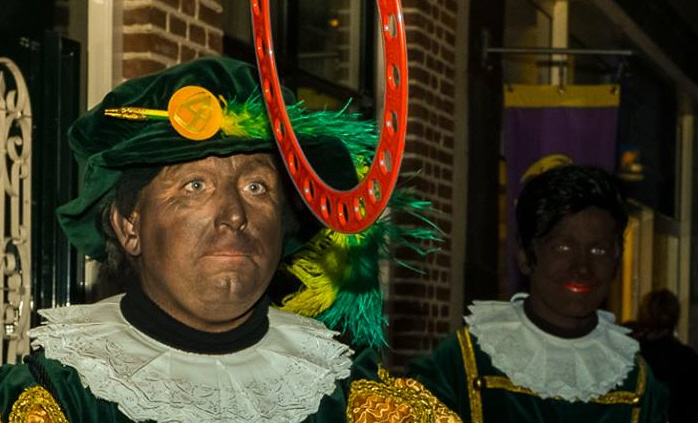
(228, 256)
(578, 288)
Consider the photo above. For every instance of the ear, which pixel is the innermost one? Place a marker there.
(524, 264)
(126, 230)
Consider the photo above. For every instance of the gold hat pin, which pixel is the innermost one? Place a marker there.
(194, 112)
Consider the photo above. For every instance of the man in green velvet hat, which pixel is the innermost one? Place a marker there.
(187, 205)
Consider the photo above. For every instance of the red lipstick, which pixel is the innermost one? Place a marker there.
(578, 288)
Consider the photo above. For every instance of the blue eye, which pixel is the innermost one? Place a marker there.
(195, 185)
(256, 188)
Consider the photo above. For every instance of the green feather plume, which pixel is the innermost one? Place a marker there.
(340, 272)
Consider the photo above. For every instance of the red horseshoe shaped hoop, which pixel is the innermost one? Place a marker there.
(354, 210)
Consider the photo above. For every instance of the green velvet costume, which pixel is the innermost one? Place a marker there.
(462, 376)
(105, 370)
(79, 405)
(96, 364)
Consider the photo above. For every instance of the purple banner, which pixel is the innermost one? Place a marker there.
(538, 138)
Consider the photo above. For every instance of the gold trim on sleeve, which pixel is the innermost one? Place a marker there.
(36, 405)
(639, 390)
(395, 400)
(473, 381)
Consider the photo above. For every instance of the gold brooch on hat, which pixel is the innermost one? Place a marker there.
(194, 112)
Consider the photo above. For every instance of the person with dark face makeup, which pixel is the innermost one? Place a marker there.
(551, 355)
(190, 210)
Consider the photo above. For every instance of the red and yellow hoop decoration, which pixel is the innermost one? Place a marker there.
(354, 210)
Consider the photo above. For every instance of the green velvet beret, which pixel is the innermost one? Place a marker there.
(105, 146)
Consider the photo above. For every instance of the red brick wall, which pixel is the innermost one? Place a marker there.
(161, 33)
(419, 305)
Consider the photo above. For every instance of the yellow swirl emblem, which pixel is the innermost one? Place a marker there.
(195, 113)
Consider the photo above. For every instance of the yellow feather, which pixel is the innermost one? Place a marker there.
(321, 267)
(231, 124)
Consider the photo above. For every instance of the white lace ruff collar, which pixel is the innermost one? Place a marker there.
(574, 369)
(280, 379)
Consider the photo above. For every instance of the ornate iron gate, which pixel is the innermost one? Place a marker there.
(15, 205)
(39, 98)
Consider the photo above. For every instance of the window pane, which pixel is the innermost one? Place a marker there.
(237, 19)
(329, 39)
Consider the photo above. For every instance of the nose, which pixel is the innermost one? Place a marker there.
(582, 266)
(231, 210)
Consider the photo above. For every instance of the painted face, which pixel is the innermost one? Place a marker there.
(575, 266)
(207, 238)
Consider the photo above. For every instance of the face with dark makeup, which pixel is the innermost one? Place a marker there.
(575, 264)
(206, 238)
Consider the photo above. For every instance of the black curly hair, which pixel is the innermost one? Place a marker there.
(550, 196)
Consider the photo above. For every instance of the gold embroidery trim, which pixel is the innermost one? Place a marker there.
(501, 382)
(616, 397)
(476, 384)
(473, 381)
(639, 390)
(36, 405)
(395, 400)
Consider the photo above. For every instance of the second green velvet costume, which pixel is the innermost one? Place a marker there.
(465, 379)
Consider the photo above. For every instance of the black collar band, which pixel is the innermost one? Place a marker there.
(146, 316)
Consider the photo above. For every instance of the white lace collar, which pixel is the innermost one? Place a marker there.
(280, 379)
(574, 369)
